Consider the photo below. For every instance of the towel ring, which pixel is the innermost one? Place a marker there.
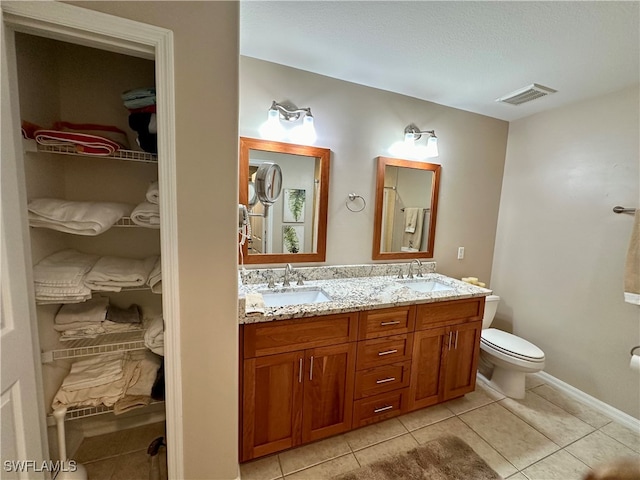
(352, 197)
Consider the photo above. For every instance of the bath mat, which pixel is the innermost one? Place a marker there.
(446, 458)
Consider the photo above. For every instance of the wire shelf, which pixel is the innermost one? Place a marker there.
(84, 412)
(106, 343)
(130, 155)
(126, 222)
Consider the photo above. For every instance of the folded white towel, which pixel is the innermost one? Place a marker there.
(93, 311)
(146, 215)
(94, 371)
(411, 218)
(254, 304)
(63, 268)
(153, 193)
(155, 277)
(113, 273)
(148, 372)
(154, 336)
(80, 218)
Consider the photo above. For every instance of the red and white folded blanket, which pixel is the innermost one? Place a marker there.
(87, 138)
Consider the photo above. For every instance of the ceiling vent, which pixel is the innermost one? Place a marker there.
(526, 94)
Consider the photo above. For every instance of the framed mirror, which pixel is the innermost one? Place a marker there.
(294, 227)
(406, 209)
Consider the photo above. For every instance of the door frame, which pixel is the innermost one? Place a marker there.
(81, 26)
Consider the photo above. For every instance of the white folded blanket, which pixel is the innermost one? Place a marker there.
(155, 277)
(94, 371)
(154, 336)
(148, 372)
(113, 273)
(146, 215)
(93, 311)
(153, 193)
(80, 218)
(63, 268)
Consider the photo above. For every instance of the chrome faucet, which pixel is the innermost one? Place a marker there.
(415, 260)
(288, 270)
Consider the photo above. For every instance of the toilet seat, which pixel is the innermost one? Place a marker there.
(511, 345)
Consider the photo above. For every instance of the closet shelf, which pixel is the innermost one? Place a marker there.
(130, 155)
(83, 412)
(106, 343)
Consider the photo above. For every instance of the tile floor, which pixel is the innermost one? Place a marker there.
(122, 455)
(545, 436)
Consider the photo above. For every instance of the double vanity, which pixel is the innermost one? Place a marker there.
(351, 346)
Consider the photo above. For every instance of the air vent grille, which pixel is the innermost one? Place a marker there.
(526, 94)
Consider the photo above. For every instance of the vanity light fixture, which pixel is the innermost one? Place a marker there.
(273, 129)
(408, 147)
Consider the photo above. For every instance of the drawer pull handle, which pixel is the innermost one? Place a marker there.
(386, 380)
(383, 409)
(388, 352)
(386, 324)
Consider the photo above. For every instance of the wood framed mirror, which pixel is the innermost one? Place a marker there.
(295, 226)
(406, 209)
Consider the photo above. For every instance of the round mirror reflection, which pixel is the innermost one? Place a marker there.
(268, 183)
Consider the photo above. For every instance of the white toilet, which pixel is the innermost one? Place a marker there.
(505, 359)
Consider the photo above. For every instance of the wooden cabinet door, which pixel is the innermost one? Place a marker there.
(427, 367)
(462, 360)
(272, 403)
(328, 391)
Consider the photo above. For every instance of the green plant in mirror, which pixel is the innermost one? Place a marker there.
(296, 202)
(291, 240)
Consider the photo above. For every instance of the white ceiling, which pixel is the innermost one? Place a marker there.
(462, 54)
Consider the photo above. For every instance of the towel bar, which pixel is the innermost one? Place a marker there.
(619, 209)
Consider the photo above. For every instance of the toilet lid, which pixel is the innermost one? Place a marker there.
(511, 344)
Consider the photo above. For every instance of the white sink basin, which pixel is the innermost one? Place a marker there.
(294, 297)
(425, 286)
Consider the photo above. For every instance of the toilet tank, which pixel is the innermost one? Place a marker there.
(490, 308)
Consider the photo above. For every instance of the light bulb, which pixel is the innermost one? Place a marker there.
(432, 147)
(272, 129)
(305, 133)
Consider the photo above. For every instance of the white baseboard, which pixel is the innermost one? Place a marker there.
(602, 407)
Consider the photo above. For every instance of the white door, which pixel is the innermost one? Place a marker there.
(23, 429)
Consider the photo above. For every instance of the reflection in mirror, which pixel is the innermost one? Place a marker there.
(294, 230)
(406, 208)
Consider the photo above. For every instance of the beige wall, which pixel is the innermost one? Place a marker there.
(560, 249)
(206, 79)
(359, 124)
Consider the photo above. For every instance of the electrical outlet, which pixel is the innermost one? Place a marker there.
(460, 253)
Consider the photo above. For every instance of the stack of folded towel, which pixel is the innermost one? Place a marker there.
(112, 273)
(59, 278)
(155, 277)
(154, 335)
(141, 103)
(138, 392)
(86, 138)
(95, 317)
(147, 214)
(80, 218)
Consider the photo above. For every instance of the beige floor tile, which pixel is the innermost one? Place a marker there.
(327, 470)
(513, 438)
(425, 416)
(549, 419)
(475, 399)
(624, 435)
(597, 448)
(376, 433)
(574, 407)
(532, 381)
(488, 389)
(132, 466)
(99, 447)
(454, 426)
(101, 469)
(309, 455)
(517, 476)
(139, 438)
(559, 466)
(382, 450)
(267, 468)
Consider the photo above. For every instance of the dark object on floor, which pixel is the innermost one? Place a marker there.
(446, 458)
(619, 469)
(157, 390)
(152, 451)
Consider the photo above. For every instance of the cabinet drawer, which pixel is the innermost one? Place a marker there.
(279, 336)
(382, 379)
(382, 351)
(374, 409)
(449, 313)
(388, 321)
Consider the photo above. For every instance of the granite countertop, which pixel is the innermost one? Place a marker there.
(352, 294)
